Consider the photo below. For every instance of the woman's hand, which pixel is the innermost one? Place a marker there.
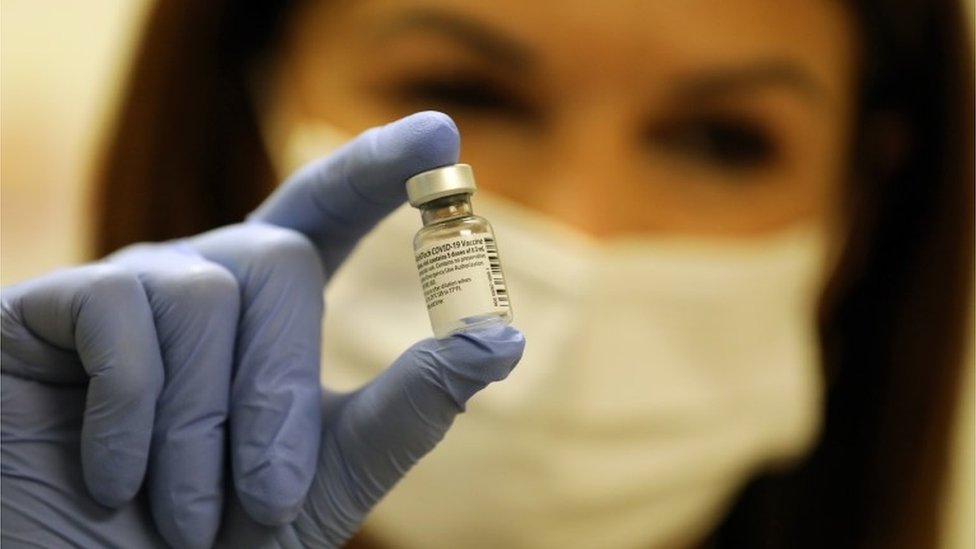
(152, 363)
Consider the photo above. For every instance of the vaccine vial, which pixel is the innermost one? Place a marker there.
(457, 257)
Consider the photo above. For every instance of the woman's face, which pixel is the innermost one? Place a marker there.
(704, 117)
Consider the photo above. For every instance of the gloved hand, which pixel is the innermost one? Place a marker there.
(149, 364)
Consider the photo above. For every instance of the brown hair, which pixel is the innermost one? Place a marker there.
(187, 153)
(187, 156)
(893, 323)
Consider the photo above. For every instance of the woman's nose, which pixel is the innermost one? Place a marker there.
(593, 176)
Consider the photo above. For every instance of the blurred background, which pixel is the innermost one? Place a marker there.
(61, 64)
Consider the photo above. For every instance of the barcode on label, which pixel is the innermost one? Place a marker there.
(498, 290)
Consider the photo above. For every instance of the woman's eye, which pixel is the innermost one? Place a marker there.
(725, 143)
(462, 94)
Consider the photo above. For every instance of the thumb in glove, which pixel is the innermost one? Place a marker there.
(373, 436)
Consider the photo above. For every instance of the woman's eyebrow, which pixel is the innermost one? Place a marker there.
(480, 39)
(755, 76)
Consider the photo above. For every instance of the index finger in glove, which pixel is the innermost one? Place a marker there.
(102, 313)
(336, 200)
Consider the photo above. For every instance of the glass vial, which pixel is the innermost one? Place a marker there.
(457, 257)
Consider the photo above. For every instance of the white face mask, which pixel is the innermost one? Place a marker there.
(659, 376)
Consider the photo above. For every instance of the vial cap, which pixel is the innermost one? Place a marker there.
(440, 182)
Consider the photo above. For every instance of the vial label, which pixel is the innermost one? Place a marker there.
(461, 278)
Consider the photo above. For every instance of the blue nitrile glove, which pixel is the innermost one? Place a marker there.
(149, 364)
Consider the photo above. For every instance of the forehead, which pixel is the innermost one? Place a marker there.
(639, 40)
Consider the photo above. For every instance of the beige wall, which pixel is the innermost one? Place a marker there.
(60, 63)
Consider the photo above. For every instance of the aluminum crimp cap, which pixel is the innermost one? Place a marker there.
(440, 182)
